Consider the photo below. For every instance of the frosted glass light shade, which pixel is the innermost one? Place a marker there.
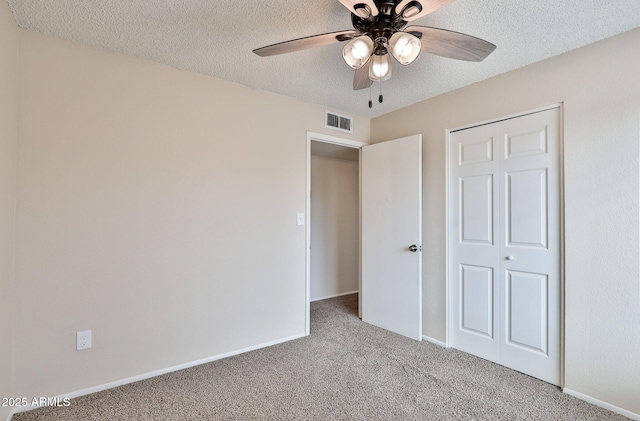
(357, 51)
(404, 47)
(380, 68)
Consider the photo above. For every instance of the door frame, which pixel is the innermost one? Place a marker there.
(448, 192)
(318, 137)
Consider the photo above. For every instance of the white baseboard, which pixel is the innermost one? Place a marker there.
(435, 341)
(602, 404)
(111, 385)
(333, 296)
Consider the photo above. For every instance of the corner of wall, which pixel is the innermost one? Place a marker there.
(9, 81)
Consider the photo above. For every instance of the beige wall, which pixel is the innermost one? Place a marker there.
(334, 226)
(9, 44)
(600, 88)
(157, 208)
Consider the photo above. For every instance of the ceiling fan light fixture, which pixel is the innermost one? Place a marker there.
(405, 47)
(357, 51)
(380, 68)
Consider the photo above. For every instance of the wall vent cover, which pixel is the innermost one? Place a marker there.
(338, 122)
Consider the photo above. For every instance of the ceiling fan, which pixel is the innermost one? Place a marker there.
(380, 30)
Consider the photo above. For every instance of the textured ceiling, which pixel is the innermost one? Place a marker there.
(216, 37)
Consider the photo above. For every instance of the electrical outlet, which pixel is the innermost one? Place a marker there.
(83, 340)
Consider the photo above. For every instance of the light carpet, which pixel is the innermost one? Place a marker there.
(345, 370)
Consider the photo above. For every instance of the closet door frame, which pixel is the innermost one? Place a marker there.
(450, 277)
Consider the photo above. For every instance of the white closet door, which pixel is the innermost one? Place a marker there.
(474, 243)
(530, 249)
(505, 243)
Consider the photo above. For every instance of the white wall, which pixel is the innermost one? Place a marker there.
(157, 208)
(334, 226)
(9, 42)
(600, 88)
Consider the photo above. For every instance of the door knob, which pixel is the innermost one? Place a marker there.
(509, 257)
(413, 248)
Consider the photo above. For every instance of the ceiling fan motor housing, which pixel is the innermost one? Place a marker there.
(386, 23)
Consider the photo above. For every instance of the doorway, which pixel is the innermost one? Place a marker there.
(333, 215)
(334, 220)
(390, 245)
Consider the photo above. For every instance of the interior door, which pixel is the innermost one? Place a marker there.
(392, 235)
(505, 243)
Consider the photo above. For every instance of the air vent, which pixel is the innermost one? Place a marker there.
(338, 122)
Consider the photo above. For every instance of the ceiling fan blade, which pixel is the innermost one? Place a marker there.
(426, 7)
(353, 5)
(304, 43)
(451, 44)
(361, 78)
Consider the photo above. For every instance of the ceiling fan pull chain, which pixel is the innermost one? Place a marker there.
(380, 98)
(370, 101)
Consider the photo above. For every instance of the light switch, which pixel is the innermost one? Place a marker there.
(300, 219)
